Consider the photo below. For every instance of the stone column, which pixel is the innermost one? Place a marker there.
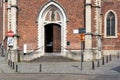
(98, 28)
(88, 35)
(14, 27)
(9, 22)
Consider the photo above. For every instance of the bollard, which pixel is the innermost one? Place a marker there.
(98, 63)
(13, 65)
(118, 55)
(40, 68)
(110, 57)
(93, 65)
(107, 59)
(103, 60)
(10, 63)
(16, 70)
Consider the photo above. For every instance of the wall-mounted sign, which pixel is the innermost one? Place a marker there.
(75, 31)
(10, 41)
(82, 30)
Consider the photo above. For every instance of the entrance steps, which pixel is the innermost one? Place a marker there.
(52, 57)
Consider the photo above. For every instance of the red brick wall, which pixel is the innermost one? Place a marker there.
(75, 14)
(111, 44)
(28, 13)
(29, 10)
(27, 26)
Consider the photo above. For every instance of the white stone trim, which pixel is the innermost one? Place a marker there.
(41, 23)
(4, 20)
(13, 21)
(105, 35)
(88, 38)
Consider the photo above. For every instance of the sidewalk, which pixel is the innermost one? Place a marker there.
(110, 68)
(4, 68)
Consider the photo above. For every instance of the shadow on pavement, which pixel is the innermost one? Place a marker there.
(116, 69)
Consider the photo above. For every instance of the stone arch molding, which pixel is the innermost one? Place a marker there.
(42, 22)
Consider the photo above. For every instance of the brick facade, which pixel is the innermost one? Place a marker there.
(111, 44)
(28, 13)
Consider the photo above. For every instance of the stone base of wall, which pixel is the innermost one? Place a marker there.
(88, 55)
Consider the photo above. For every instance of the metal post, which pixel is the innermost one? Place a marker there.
(103, 60)
(40, 68)
(81, 55)
(10, 63)
(98, 63)
(16, 70)
(107, 59)
(13, 65)
(110, 57)
(118, 55)
(93, 65)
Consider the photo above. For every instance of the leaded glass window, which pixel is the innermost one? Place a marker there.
(110, 25)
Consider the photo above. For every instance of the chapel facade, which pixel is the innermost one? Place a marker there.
(54, 27)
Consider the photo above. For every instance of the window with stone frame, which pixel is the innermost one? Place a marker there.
(110, 24)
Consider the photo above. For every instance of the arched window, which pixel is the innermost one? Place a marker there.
(110, 24)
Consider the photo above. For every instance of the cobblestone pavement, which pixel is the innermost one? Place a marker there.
(110, 68)
(61, 71)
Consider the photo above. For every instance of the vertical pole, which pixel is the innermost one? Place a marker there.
(93, 65)
(16, 68)
(13, 65)
(110, 57)
(40, 68)
(107, 59)
(98, 63)
(118, 55)
(10, 63)
(103, 60)
(81, 55)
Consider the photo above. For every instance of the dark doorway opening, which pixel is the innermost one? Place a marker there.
(52, 38)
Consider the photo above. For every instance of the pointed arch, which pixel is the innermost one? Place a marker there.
(110, 29)
(42, 20)
(47, 6)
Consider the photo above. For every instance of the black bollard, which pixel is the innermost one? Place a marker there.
(118, 55)
(98, 63)
(103, 60)
(107, 59)
(13, 65)
(93, 65)
(16, 70)
(40, 68)
(110, 57)
(10, 63)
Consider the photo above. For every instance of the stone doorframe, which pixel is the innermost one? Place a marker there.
(42, 22)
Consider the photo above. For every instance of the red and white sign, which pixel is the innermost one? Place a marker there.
(10, 33)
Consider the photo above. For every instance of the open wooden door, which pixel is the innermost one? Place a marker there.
(56, 38)
(52, 38)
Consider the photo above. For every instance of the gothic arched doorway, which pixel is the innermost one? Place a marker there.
(52, 38)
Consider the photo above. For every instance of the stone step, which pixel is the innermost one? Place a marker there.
(52, 59)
